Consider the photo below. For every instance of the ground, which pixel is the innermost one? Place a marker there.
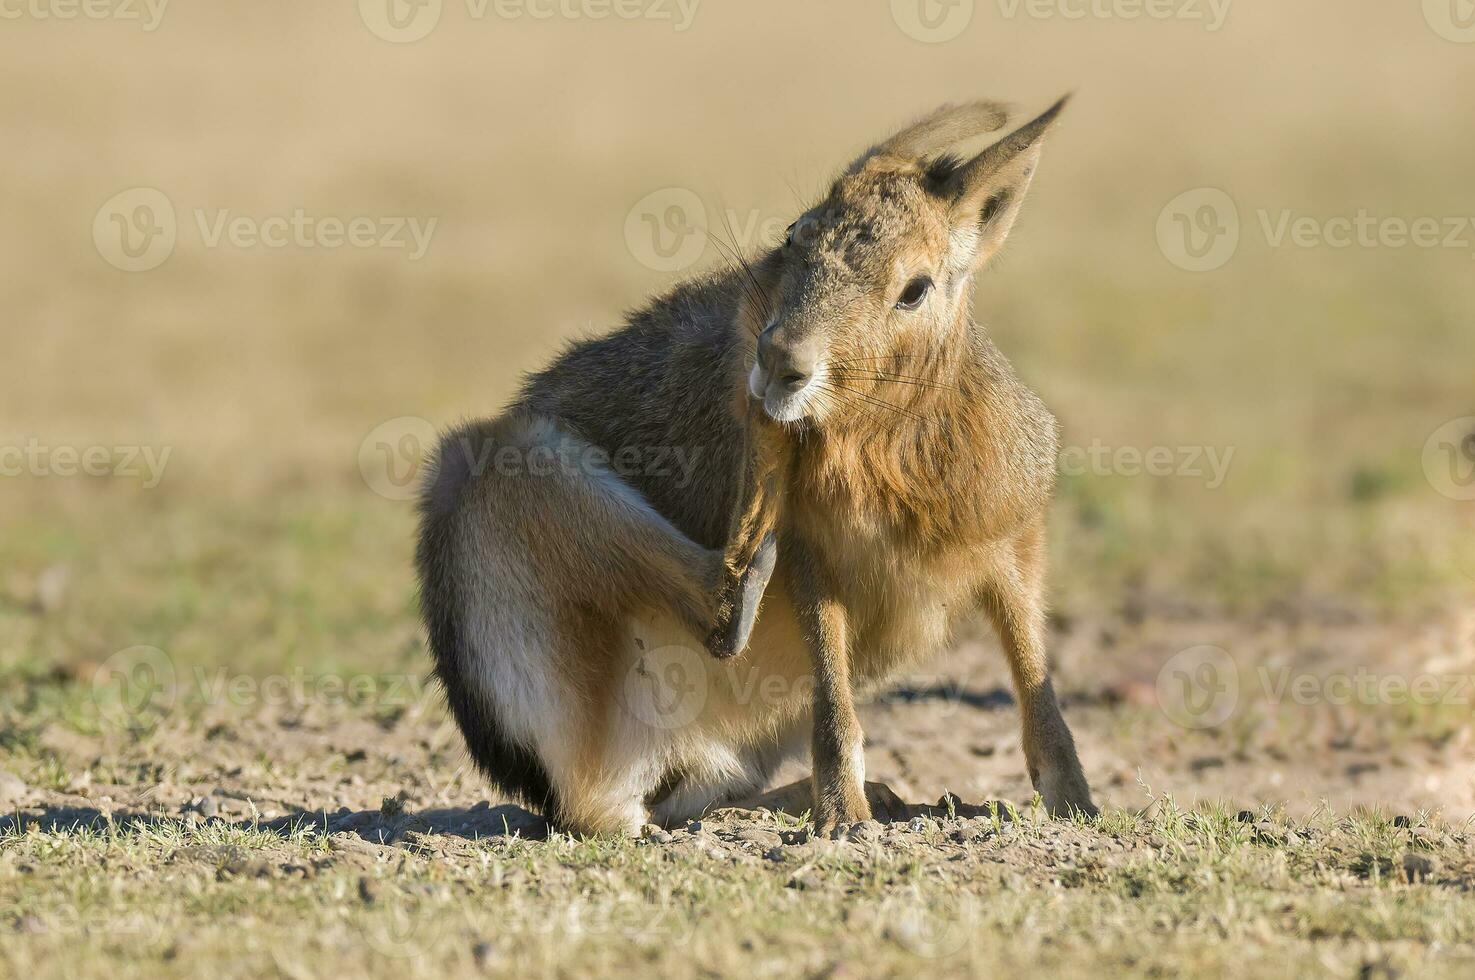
(255, 823)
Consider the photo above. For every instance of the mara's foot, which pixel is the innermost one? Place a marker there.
(1066, 793)
(879, 802)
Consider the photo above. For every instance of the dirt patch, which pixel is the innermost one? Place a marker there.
(1290, 737)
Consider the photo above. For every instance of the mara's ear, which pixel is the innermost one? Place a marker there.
(983, 194)
(938, 130)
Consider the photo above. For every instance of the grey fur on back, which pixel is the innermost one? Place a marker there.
(662, 383)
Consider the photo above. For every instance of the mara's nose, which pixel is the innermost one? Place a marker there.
(789, 367)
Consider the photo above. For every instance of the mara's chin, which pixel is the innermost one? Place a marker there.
(787, 408)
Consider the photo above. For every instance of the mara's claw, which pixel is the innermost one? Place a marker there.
(730, 638)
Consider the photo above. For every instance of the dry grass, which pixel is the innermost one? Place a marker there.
(1170, 892)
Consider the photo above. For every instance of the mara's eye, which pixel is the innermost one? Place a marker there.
(789, 234)
(916, 291)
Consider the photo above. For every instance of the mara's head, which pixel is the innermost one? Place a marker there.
(867, 297)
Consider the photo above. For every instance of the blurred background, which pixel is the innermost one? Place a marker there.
(253, 255)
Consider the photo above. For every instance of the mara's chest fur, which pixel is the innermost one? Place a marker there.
(912, 527)
(902, 602)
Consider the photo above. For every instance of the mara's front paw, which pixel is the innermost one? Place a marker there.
(1066, 793)
(835, 810)
(879, 802)
(729, 637)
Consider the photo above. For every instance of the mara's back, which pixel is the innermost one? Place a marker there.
(658, 396)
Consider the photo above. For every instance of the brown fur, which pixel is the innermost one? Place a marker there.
(907, 476)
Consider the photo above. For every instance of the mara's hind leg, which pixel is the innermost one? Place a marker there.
(1015, 602)
(527, 565)
(530, 566)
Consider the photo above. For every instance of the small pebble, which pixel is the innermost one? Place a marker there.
(655, 834)
(758, 836)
